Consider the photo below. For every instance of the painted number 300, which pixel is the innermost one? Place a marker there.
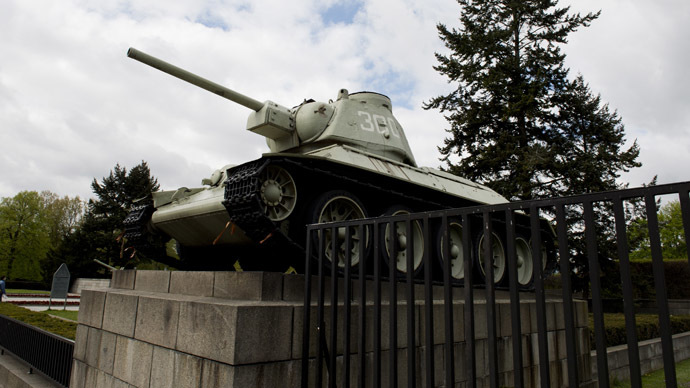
(377, 123)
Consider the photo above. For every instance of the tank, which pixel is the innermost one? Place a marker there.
(328, 161)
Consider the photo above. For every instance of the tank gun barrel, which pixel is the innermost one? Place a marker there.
(195, 79)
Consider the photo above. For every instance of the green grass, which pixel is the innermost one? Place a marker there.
(656, 378)
(65, 314)
(40, 319)
(20, 291)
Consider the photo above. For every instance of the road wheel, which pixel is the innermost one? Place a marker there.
(402, 238)
(335, 206)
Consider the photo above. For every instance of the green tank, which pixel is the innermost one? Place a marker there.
(328, 161)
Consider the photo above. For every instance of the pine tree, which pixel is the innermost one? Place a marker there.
(518, 124)
(504, 118)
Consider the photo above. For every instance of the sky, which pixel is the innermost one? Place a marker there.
(72, 105)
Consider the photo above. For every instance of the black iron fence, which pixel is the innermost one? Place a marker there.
(43, 352)
(385, 308)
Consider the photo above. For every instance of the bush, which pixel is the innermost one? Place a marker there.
(647, 327)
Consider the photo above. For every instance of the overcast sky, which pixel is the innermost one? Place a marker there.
(72, 105)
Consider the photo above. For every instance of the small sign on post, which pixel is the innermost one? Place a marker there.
(60, 285)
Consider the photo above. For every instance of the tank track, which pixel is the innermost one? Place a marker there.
(243, 199)
(136, 229)
(243, 204)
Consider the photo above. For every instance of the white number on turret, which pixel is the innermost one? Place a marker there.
(381, 124)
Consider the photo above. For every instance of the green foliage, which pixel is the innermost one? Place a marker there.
(100, 231)
(30, 225)
(671, 234)
(647, 327)
(72, 315)
(519, 125)
(41, 320)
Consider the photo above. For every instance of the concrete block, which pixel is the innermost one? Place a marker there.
(439, 323)
(525, 317)
(78, 376)
(235, 333)
(157, 321)
(196, 283)
(550, 317)
(186, 371)
(81, 337)
(581, 313)
(218, 375)
(298, 333)
(105, 380)
(91, 376)
(504, 354)
(120, 313)
(154, 281)
(481, 329)
(91, 307)
(162, 367)
(123, 279)
(133, 361)
(93, 347)
(280, 374)
(106, 357)
(250, 285)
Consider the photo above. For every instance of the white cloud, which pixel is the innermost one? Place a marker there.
(72, 105)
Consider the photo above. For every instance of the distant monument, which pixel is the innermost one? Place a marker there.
(60, 286)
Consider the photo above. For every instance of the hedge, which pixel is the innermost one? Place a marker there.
(647, 327)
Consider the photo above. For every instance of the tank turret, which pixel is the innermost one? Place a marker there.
(363, 120)
(328, 161)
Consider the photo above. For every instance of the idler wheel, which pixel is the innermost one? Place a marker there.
(278, 193)
(335, 206)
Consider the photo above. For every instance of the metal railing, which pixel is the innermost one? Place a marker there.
(43, 352)
(365, 318)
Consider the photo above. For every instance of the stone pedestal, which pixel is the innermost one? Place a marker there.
(244, 329)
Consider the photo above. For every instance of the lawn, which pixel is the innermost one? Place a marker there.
(65, 314)
(41, 320)
(20, 291)
(656, 379)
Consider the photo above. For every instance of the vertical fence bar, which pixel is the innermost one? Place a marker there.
(470, 346)
(591, 240)
(393, 308)
(566, 282)
(628, 302)
(307, 310)
(489, 282)
(320, 335)
(685, 211)
(428, 305)
(539, 297)
(411, 345)
(333, 343)
(377, 305)
(347, 294)
(362, 308)
(514, 299)
(447, 304)
(661, 298)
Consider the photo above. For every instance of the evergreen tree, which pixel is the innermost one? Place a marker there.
(116, 195)
(511, 84)
(99, 234)
(517, 124)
